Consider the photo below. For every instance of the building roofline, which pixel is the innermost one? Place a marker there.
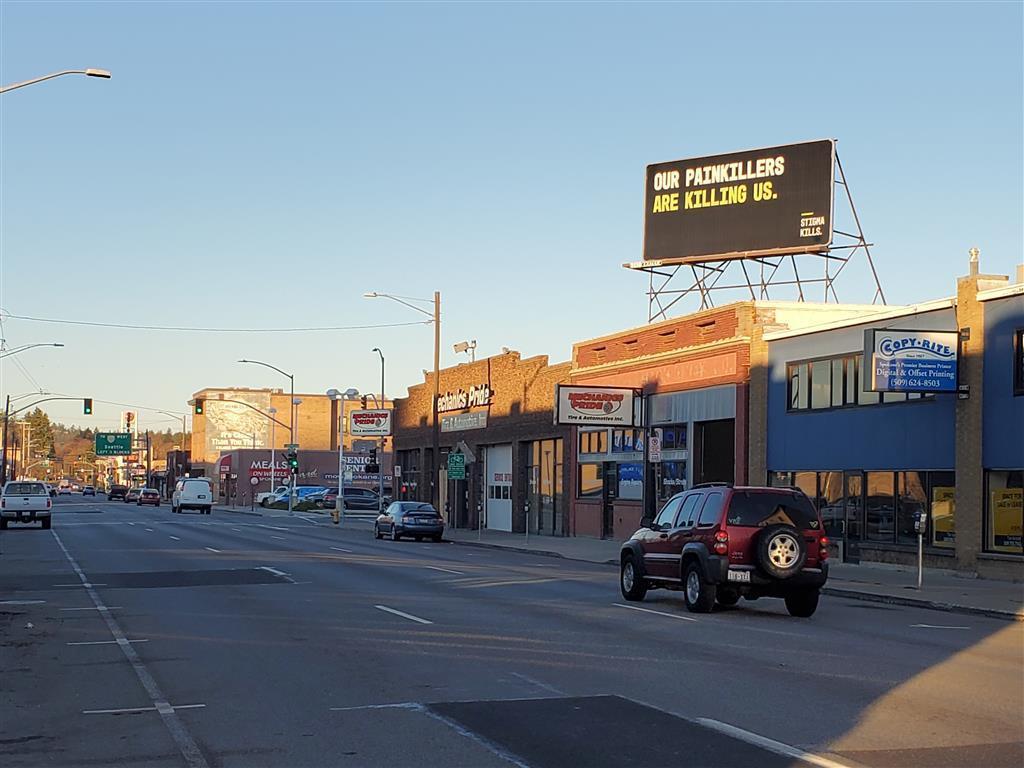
(1016, 289)
(884, 313)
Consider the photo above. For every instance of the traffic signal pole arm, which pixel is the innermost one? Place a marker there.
(44, 400)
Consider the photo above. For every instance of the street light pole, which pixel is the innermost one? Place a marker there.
(16, 350)
(273, 447)
(292, 411)
(380, 459)
(340, 398)
(87, 72)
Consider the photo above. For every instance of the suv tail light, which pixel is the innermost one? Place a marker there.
(721, 542)
(823, 554)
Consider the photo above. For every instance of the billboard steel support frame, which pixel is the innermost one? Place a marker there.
(707, 275)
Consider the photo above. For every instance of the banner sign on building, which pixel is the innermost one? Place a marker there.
(761, 201)
(461, 422)
(910, 361)
(375, 423)
(595, 406)
(113, 443)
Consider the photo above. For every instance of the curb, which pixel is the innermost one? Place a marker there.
(914, 602)
(870, 597)
(540, 552)
(238, 511)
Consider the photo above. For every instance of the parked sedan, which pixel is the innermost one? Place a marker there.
(356, 499)
(149, 496)
(132, 495)
(409, 518)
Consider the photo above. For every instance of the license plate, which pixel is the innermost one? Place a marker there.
(202, 495)
(739, 575)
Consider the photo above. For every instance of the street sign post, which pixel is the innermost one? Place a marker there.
(456, 466)
(113, 443)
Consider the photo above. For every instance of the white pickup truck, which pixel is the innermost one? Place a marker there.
(25, 501)
(265, 498)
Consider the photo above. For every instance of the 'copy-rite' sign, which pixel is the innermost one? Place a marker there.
(911, 361)
(608, 406)
(372, 422)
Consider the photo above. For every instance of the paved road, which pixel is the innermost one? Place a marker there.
(131, 636)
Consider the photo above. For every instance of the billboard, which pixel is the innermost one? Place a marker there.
(375, 422)
(236, 419)
(595, 406)
(757, 202)
(911, 361)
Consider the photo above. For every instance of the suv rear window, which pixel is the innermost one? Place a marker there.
(757, 509)
(25, 489)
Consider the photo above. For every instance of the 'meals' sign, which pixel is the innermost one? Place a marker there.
(911, 361)
(595, 406)
(375, 422)
(774, 200)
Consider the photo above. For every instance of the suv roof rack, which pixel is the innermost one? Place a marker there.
(712, 485)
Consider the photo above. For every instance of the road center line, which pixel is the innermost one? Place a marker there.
(211, 549)
(658, 613)
(186, 744)
(404, 615)
(446, 570)
(769, 744)
(107, 642)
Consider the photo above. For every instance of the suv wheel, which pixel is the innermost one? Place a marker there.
(802, 603)
(700, 595)
(630, 582)
(781, 551)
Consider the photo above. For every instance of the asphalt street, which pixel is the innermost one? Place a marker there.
(135, 637)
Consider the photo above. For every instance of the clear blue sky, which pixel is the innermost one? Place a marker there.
(495, 152)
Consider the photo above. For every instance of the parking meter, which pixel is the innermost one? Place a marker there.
(920, 523)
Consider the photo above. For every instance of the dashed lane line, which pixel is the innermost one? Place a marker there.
(107, 642)
(445, 570)
(21, 602)
(658, 613)
(100, 608)
(403, 614)
(175, 538)
(129, 710)
(212, 549)
(341, 549)
(186, 744)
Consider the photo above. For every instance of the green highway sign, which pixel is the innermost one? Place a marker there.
(113, 443)
(456, 466)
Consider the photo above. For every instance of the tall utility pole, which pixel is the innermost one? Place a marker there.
(383, 440)
(149, 460)
(3, 465)
(435, 489)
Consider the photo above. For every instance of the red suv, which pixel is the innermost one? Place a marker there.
(718, 543)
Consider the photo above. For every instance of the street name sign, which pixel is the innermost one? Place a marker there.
(113, 443)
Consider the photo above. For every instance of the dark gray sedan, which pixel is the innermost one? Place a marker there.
(409, 518)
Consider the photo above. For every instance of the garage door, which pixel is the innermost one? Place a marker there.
(498, 476)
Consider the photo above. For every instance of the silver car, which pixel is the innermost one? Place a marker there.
(409, 518)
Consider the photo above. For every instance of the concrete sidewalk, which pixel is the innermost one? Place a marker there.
(876, 582)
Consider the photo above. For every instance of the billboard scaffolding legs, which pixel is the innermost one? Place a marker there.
(809, 276)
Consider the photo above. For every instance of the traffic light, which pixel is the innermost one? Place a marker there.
(293, 462)
(363, 401)
(372, 467)
(87, 406)
(199, 403)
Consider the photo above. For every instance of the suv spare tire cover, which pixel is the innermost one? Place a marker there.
(781, 551)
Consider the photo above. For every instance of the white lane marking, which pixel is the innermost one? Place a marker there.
(278, 537)
(659, 613)
(937, 626)
(539, 684)
(108, 642)
(399, 705)
(446, 570)
(175, 538)
(131, 523)
(340, 549)
(150, 530)
(237, 530)
(273, 570)
(88, 584)
(769, 744)
(272, 527)
(186, 744)
(21, 602)
(510, 582)
(101, 608)
(404, 615)
(211, 549)
(162, 710)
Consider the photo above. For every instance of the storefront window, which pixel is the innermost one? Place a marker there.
(590, 481)
(673, 437)
(865, 397)
(880, 507)
(837, 382)
(798, 399)
(544, 479)
(631, 480)
(832, 504)
(912, 500)
(672, 478)
(1005, 511)
(943, 511)
(594, 441)
(407, 485)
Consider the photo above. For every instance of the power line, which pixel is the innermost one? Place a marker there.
(195, 329)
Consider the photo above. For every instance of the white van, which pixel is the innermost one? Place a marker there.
(192, 493)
